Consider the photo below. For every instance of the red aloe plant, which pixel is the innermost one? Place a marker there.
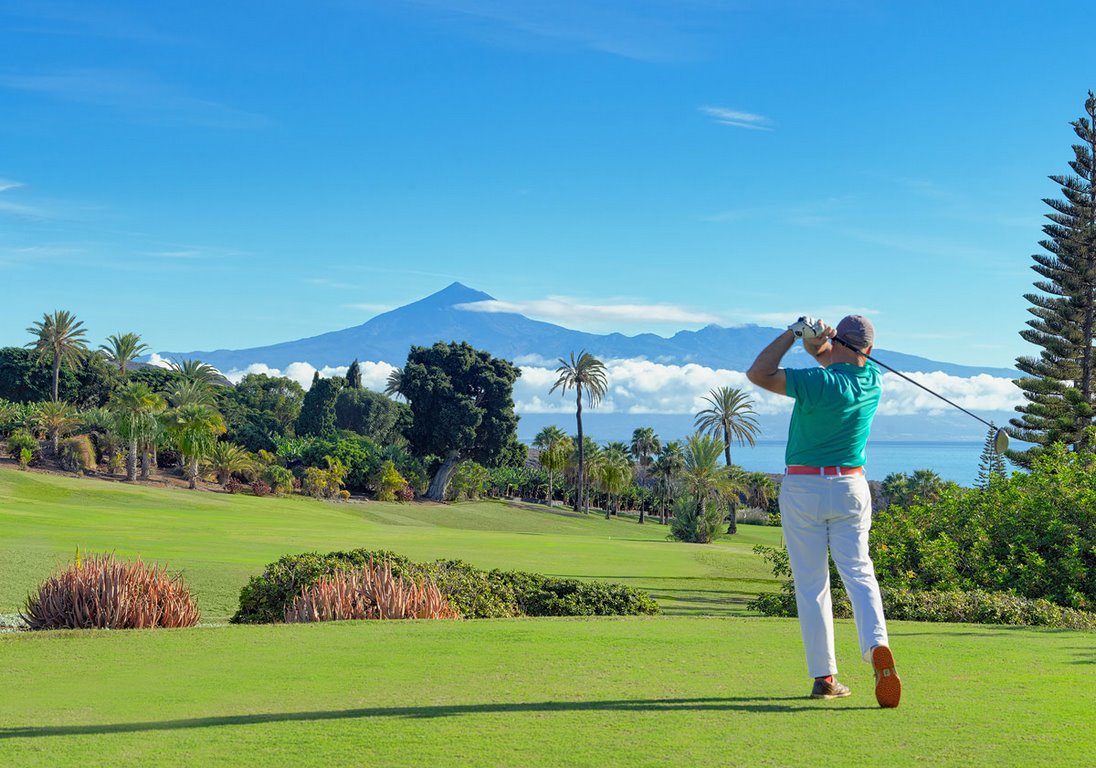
(371, 593)
(101, 592)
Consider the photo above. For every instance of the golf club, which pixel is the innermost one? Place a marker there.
(1000, 438)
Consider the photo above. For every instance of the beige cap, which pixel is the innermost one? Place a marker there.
(857, 330)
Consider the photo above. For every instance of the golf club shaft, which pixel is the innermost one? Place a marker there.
(844, 343)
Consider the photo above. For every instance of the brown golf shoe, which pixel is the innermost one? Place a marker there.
(825, 690)
(888, 686)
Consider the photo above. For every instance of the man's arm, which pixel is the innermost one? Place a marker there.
(821, 346)
(766, 371)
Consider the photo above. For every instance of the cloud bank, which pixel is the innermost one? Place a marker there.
(645, 387)
(572, 311)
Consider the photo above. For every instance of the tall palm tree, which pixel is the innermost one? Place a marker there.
(760, 489)
(553, 454)
(123, 349)
(195, 429)
(730, 417)
(394, 384)
(60, 339)
(197, 371)
(584, 372)
(667, 469)
(614, 471)
(135, 407)
(191, 392)
(645, 443)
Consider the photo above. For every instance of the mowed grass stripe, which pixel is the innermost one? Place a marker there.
(543, 692)
(218, 541)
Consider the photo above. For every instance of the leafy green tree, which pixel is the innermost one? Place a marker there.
(1059, 384)
(318, 408)
(371, 414)
(991, 465)
(135, 407)
(59, 338)
(122, 349)
(587, 373)
(462, 408)
(195, 429)
(555, 447)
(645, 444)
(730, 417)
(354, 375)
(259, 409)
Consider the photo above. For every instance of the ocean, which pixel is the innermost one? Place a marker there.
(956, 461)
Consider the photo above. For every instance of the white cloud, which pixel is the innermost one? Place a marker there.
(562, 308)
(645, 387)
(6, 184)
(158, 361)
(374, 375)
(737, 119)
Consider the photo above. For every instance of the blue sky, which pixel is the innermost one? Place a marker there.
(236, 174)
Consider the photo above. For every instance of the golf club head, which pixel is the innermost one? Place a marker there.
(1000, 442)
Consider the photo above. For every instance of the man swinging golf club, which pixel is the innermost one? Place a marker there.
(825, 503)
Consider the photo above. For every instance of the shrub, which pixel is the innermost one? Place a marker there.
(116, 463)
(324, 483)
(259, 488)
(77, 454)
(539, 595)
(279, 479)
(344, 495)
(469, 482)
(471, 592)
(100, 592)
(407, 493)
(690, 525)
(19, 440)
(372, 592)
(234, 485)
(972, 607)
(25, 456)
(388, 482)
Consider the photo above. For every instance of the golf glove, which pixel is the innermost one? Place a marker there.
(807, 327)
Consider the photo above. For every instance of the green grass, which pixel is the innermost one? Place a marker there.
(218, 541)
(675, 690)
(538, 692)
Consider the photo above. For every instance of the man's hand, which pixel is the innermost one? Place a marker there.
(819, 346)
(807, 327)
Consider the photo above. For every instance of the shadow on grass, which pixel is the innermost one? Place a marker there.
(759, 705)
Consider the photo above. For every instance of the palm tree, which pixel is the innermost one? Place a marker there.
(614, 471)
(587, 372)
(645, 443)
(225, 459)
(135, 407)
(554, 448)
(191, 392)
(55, 418)
(703, 478)
(60, 339)
(760, 489)
(731, 417)
(195, 429)
(394, 384)
(123, 349)
(196, 371)
(667, 469)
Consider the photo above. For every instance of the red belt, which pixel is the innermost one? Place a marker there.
(801, 470)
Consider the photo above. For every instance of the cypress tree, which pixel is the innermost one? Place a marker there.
(354, 375)
(317, 417)
(991, 464)
(1059, 383)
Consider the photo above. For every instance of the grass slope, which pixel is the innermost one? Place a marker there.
(218, 541)
(545, 692)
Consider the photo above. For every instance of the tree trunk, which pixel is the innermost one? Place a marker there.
(145, 463)
(581, 504)
(551, 496)
(732, 526)
(55, 441)
(436, 491)
(56, 374)
(131, 462)
(642, 506)
(192, 473)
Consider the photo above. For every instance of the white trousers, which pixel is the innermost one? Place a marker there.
(831, 514)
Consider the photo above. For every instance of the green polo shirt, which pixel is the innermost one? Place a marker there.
(832, 416)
